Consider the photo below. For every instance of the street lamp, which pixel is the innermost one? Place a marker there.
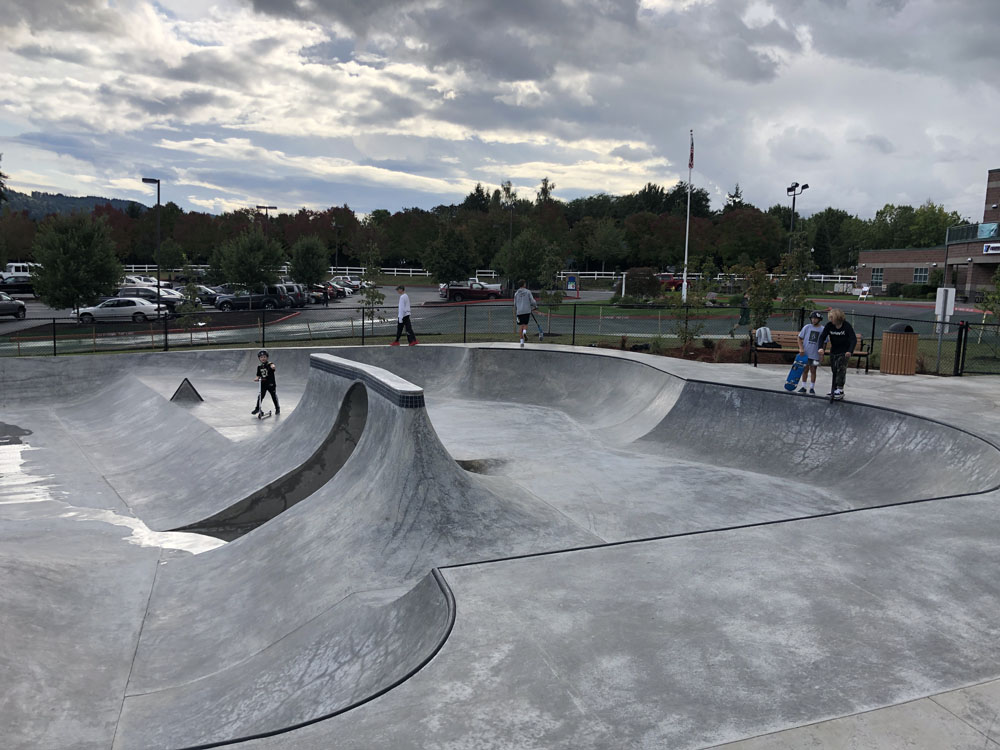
(156, 181)
(336, 246)
(265, 209)
(794, 190)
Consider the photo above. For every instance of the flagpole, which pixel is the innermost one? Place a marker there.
(687, 228)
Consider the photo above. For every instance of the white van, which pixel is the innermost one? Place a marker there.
(20, 269)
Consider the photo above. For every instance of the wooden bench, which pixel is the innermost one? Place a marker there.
(788, 342)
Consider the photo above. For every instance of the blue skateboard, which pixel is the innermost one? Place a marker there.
(795, 374)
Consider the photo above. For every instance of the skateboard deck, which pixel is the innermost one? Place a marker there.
(263, 415)
(795, 374)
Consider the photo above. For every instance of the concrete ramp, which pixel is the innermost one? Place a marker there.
(182, 483)
(348, 654)
(871, 455)
(399, 506)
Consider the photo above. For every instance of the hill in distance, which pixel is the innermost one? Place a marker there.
(39, 205)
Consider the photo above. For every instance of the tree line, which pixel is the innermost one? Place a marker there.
(531, 237)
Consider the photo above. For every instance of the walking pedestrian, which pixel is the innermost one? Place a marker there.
(524, 303)
(403, 318)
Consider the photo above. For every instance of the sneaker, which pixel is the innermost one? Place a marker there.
(812, 392)
(255, 411)
(802, 389)
(414, 342)
(277, 410)
(394, 343)
(522, 343)
(837, 393)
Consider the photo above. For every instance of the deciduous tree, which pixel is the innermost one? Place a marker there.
(78, 261)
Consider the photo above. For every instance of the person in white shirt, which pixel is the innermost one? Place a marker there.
(403, 318)
(524, 303)
(809, 345)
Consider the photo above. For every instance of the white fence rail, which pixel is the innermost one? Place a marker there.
(488, 273)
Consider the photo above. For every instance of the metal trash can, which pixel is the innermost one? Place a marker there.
(899, 350)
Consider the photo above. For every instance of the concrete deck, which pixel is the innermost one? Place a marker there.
(639, 552)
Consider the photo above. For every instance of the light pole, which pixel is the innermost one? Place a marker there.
(336, 247)
(265, 209)
(794, 190)
(156, 181)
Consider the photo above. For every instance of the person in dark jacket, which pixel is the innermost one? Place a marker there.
(842, 339)
(268, 384)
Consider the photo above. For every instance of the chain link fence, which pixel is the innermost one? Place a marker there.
(705, 333)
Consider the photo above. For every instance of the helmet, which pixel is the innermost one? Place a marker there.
(816, 314)
(262, 353)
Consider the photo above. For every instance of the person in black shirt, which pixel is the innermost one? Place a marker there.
(268, 384)
(842, 339)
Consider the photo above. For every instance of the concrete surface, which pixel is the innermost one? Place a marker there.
(645, 552)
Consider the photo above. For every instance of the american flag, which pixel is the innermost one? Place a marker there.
(691, 158)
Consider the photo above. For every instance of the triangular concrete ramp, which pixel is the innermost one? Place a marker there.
(186, 393)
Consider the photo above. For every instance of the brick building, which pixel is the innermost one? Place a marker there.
(970, 254)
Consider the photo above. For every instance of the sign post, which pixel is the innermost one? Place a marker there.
(944, 308)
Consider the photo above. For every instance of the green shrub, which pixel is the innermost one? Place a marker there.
(657, 345)
(895, 289)
(915, 290)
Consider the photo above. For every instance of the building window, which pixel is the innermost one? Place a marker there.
(920, 275)
(877, 276)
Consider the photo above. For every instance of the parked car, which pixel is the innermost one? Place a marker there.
(339, 287)
(275, 297)
(137, 280)
(171, 298)
(135, 309)
(17, 284)
(347, 282)
(669, 281)
(456, 292)
(11, 306)
(297, 294)
(206, 294)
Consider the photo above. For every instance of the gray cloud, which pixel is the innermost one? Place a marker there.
(631, 154)
(876, 142)
(92, 16)
(40, 53)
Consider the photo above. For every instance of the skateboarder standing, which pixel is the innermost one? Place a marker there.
(268, 384)
(403, 318)
(809, 346)
(842, 340)
(524, 303)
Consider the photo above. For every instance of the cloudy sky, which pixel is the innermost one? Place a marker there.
(400, 103)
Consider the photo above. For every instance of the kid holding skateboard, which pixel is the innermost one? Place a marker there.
(809, 346)
(268, 384)
(842, 339)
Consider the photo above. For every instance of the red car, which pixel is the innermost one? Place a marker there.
(669, 281)
(459, 292)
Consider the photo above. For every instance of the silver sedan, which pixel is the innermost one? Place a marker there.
(121, 308)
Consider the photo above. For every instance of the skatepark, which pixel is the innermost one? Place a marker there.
(482, 546)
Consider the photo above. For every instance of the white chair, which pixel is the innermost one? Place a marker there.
(863, 294)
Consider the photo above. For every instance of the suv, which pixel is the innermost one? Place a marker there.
(275, 297)
(297, 294)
